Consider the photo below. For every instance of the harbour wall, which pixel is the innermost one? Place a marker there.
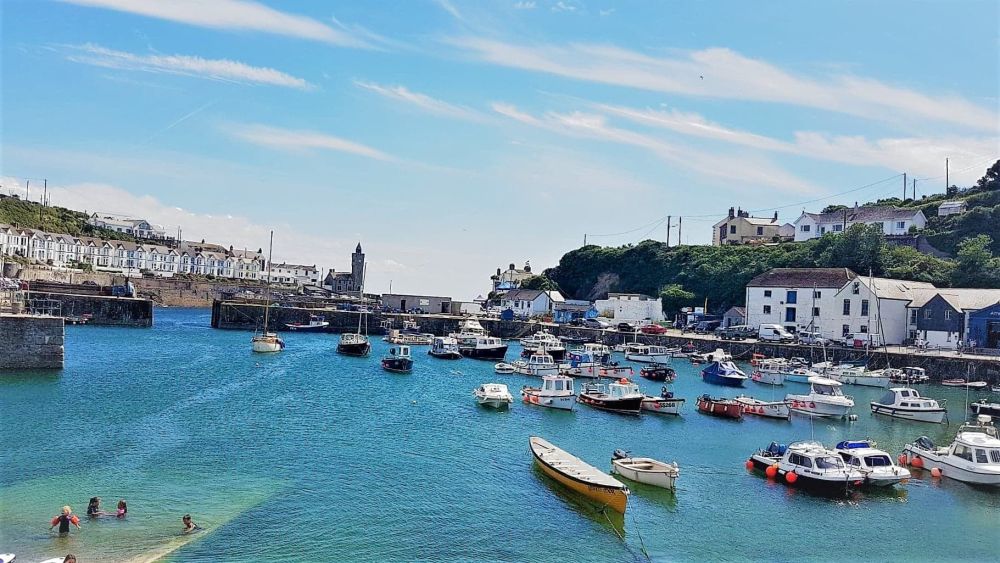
(249, 316)
(103, 310)
(31, 342)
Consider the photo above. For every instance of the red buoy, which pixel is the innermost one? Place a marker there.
(749, 465)
(791, 477)
(771, 471)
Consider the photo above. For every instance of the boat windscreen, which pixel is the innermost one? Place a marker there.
(829, 462)
(878, 461)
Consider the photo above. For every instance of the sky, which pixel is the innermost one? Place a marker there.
(452, 138)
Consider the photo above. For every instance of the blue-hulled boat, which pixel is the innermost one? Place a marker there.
(723, 373)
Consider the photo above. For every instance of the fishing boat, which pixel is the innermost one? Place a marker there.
(983, 406)
(799, 374)
(906, 403)
(908, 375)
(537, 365)
(769, 371)
(645, 470)
(852, 375)
(876, 465)
(600, 352)
(504, 368)
(647, 354)
(973, 456)
(445, 348)
(267, 342)
(963, 383)
(666, 403)
(808, 466)
(356, 343)
(717, 355)
(575, 474)
(658, 372)
(724, 408)
(482, 347)
(582, 364)
(469, 327)
(398, 360)
(494, 395)
(621, 396)
(317, 323)
(544, 342)
(556, 392)
(766, 409)
(825, 399)
(396, 336)
(723, 373)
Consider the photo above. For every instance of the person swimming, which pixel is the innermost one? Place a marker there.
(94, 508)
(122, 508)
(189, 525)
(64, 519)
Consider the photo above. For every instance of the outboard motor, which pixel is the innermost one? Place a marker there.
(619, 454)
(925, 443)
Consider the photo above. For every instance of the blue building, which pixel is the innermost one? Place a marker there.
(572, 309)
(984, 326)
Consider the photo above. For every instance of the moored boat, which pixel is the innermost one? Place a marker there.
(906, 403)
(973, 456)
(267, 342)
(876, 465)
(908, 375)
(963, 383)
(538, 365)
(825, 399)
(577, 475)
(354, 344)
(725, 408)
(582, 364)
(543, 342)
(645, 470)
(807, 465)
(983, 406)
(717, 355)
(658, 372)
(767, 409)
(481, 347)
(398, 360)
(409, 338)
(723, 373)
(556, 392)
(503, 367)
(317, 323)
(494, 395)
(769, 371)
(666, 403)
(647, 354)
(621, 396)
(445, 348)
(849, 374)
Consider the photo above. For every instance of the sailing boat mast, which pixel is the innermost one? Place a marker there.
(361, 313)
(267, 286)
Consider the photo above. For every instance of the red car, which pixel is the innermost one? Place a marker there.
(653, 329)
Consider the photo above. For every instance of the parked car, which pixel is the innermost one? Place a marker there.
(737, 332)
(625, 327)
(576, 322)
(705, 327)
(774, 333)
(812, 338)
(653, 329)
(596, 323)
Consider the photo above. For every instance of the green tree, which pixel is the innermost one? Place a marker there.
(860, 248)
(539, 282)
(976, 266)
(673, 297)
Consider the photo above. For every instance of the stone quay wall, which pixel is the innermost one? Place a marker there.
(29, 342)
(248, 316)
(104, 310)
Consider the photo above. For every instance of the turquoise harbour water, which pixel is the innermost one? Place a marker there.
(310, 456)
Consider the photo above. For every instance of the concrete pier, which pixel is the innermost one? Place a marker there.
(31, 342)
(102, 310)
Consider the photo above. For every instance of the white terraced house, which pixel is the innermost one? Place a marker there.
(892, 221)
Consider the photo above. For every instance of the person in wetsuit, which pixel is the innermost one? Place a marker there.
(94, 508)
(189, 525)
(64, 520)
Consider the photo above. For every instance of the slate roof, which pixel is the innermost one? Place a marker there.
(865, 214)
(903, 290)
(523, 294)
(804, 277)
(969, 299)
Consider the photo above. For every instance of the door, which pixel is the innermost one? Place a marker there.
(993, 334)
(402, 305)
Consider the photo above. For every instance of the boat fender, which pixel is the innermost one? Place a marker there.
(749, 465)
(771, 471)
(791, 477)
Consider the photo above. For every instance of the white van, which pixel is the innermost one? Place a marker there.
(774, 333)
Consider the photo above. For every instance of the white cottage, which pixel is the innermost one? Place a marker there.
(892, 221)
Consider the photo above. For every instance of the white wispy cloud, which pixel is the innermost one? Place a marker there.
(524, 5)
(746, 169)
(291, 139)
(213, 69)
(726, 74)
(565, 6)
(451, 9)
(422, 101)
(236, 15)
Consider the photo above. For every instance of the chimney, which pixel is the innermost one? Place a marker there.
(512, 266)
(732, 213)
(775, 216)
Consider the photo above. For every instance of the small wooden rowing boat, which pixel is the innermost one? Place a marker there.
(577, 475)
(645, 470)
(963, 383)
(725, 408)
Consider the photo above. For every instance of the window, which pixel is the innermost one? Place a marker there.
(822, 230)
(864, 329)
(767, 293)
(791, 296)
(790, 314)
(927, 314)
(981, 456)
(767, 309)
(815, 311)
(847, 306)
(838, 228)
(732, 229)
(864, 307)
(913, 316)
(947, 315)
(760, 231)
(817, 294)
(845, 330)
(805, 228)
(900, 224)
(995, 456)
(856, 288)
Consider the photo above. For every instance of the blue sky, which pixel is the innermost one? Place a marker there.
(452, 138)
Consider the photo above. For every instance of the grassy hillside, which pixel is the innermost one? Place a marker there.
(31, 215)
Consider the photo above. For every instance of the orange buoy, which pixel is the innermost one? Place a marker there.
(917, 462)
(771, 471)
(936, 472)
(791, 477)
(749, 465)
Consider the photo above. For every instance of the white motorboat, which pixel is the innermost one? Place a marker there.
(556, 392)
(825, 399)
(807, 465)
(600, 352)
(647, 354)
(469, 327)
(876, 465)
(906, 403)
(645, 470)
(852, 375)
(717, 355)
(800, 375)
(908, 375)
(316, 324)
(494, 395)
(409, 338)
(621, 396)
(666, 403)
(445, 348)
(582, 364)
(481, 347)
(973, 457)
(766, 409)
(538, 365)
(770, 372)
(503, 367)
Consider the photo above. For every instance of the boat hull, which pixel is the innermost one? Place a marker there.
(664, 477)
(773, 409)
(863, 380)
(498, 353)
(825, 487)
(802, 404)
(445, 355)
(397, 365)
(612, 497)
(725, 381)
(992, 409)
(649, 358)
(724, 410)
(659, 405)
(934, 416)
(532, 396)
(931, 460)
(493, 402)
(265, 345)
(630, 405)
(308, 328)
(658, 374)
(358, 350)
(768, 378)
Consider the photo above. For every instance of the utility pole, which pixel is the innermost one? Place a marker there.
(904, 185)
(914, 189)
(946, 184)
(680, 221)
(27, 186)
(668, 230)
(584, 239)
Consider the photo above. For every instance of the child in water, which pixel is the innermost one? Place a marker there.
(189, 525)
(94, 508)
(122, 509)
(64, 519)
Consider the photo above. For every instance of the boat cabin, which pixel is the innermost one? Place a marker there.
(861, 455)
(907, 398)
(541, 361)
(813, 457)
(400, 352)
(557, 385)
(824, 386)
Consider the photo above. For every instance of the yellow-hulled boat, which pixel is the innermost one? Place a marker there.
(577, 475)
